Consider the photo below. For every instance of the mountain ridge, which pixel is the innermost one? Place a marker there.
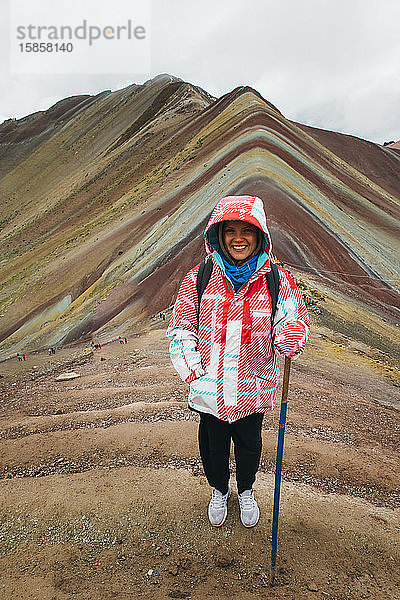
(101, 219)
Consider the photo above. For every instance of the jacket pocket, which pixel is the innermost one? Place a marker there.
(203, 394)
(266, 393)
(261, 314)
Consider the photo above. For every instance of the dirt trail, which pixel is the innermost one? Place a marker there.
(103, 494)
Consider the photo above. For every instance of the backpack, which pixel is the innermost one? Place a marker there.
(204, 274)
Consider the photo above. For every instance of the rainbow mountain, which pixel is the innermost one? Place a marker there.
(103, 202)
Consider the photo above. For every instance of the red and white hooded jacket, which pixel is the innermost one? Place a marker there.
(229, 358)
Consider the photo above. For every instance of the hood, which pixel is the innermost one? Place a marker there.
(238, 208)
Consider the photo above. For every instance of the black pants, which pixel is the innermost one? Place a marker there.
(215, 443)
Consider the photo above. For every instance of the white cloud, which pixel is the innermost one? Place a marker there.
(330, 64)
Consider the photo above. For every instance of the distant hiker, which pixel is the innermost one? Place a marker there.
(163, 316)
(126, 340)
(226, 350)
(19, 356)
(24, 356)
(50, 351)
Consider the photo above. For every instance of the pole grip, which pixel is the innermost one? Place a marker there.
(286, 376)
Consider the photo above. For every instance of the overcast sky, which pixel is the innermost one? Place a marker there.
(332, 64)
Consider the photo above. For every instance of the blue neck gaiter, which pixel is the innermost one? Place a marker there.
(239, 275)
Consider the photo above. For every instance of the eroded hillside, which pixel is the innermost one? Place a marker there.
(104, 199)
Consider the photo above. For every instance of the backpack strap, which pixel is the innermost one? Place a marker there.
(204, 274)
(203, 277)
(273, 282)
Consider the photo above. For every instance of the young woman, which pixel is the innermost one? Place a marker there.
(226, 348)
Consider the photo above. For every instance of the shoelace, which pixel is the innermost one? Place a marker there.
(217, 500)
(246, 502)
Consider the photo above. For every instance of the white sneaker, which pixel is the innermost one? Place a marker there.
(249, 511)
(218, 507)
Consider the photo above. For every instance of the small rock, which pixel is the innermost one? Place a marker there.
(67, 376)
(312, 587)
(185, 562)
(223, 559)
(174, 569)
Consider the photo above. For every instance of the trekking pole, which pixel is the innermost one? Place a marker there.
(278, 469)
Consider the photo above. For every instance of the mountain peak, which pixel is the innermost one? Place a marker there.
(104, 199)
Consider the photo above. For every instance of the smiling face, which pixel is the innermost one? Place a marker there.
(240, 239)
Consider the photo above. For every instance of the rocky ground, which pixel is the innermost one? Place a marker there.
(103, 494)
